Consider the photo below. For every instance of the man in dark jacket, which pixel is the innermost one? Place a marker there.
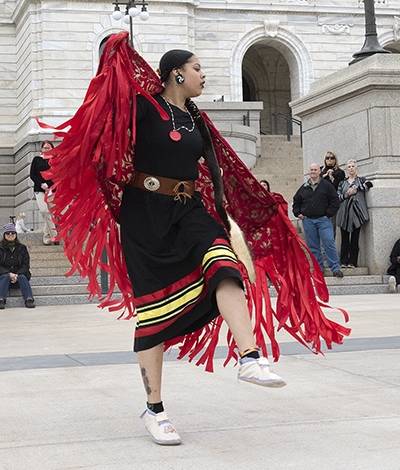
(315, 203)
(14, 267)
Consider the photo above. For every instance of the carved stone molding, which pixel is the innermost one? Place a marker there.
(338, 28)
(381, 2)
(396, 28)
(305, 2)
(271, 28)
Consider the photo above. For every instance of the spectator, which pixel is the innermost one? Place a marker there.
(331, 171)
(14, 267)
(265, 184)
(41, 188)
(394, 268)
(315, 203)
(20, 224)
(352, 214)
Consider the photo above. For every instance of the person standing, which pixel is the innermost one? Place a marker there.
(41, 188)
(184, 277)
(314, 204)
(352, 214)
(14, 267)
(331, 171)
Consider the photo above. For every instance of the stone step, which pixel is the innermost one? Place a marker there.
(52, 271)
(55, 290)
(55, 263)
(18, 301)
(354, 280)
(358, 289)
(347, 285)
(76, 299)
(352, 272)
(57, 280)
(42, 250)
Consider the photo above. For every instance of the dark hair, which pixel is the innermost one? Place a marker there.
(212, 162)
(46, 142)
(266, 182)
(4, 241)
(173, 60)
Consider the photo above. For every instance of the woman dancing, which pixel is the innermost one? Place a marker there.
(184, 276)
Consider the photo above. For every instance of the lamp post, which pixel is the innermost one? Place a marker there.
(131, 11)
(371, 45)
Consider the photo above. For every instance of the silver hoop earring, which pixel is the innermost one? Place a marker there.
(179, 79)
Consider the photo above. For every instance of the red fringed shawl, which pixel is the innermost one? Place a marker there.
(90, 169)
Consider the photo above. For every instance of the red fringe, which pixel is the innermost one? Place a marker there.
(94, 162)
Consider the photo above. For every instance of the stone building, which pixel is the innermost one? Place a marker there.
(251, 50)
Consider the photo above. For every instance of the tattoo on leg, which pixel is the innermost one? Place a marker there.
(146, 381)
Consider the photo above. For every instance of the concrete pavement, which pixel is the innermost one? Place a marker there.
(71, 396)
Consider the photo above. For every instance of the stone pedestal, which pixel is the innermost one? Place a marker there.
(239, 124)
(356, 113)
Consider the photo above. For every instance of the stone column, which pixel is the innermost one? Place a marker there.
(355, 113)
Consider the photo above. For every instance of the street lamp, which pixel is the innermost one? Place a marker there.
(131, 11)
(371, 45)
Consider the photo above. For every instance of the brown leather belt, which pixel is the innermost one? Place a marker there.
(168, 186)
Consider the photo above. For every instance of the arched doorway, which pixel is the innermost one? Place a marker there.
(266, 78)
(394, 47)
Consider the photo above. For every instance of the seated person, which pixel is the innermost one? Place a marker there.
(14, 267)
(394, 269)
(20, 224)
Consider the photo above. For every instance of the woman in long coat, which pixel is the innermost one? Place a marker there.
(353, 213)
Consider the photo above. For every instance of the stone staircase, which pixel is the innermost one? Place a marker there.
(281, 164)
(51, 287)
(48, 281)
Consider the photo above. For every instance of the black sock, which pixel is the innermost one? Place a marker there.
(156, 407)
(253, 354)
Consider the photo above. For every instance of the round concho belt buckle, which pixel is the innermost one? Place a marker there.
(151, 183)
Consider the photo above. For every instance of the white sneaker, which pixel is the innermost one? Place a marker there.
(160, 428)
(392, 284)
(257, 371)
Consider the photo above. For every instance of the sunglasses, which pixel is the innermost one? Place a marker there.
(330, 158)
(10, 233)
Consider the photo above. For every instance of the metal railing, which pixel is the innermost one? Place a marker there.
(289, 125)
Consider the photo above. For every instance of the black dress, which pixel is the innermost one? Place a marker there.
(176, 253)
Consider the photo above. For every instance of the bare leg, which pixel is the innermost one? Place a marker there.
(233, 307)
(150, 362)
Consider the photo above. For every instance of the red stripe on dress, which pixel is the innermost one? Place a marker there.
(171, 289)
(153, 329)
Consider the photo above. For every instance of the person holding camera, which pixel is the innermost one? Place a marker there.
(353, 213)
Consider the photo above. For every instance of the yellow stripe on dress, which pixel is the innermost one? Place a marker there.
(173, 305)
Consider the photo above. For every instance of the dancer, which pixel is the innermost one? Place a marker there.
(353, 213)
(184, 276)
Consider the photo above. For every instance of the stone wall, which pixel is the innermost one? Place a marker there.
(355, 113)
(49, 51)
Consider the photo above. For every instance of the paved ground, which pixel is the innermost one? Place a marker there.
(71, 396)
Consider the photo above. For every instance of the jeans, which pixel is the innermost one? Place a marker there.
(317, 231)
(22, 283)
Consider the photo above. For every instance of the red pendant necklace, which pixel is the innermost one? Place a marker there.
(174, 134)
